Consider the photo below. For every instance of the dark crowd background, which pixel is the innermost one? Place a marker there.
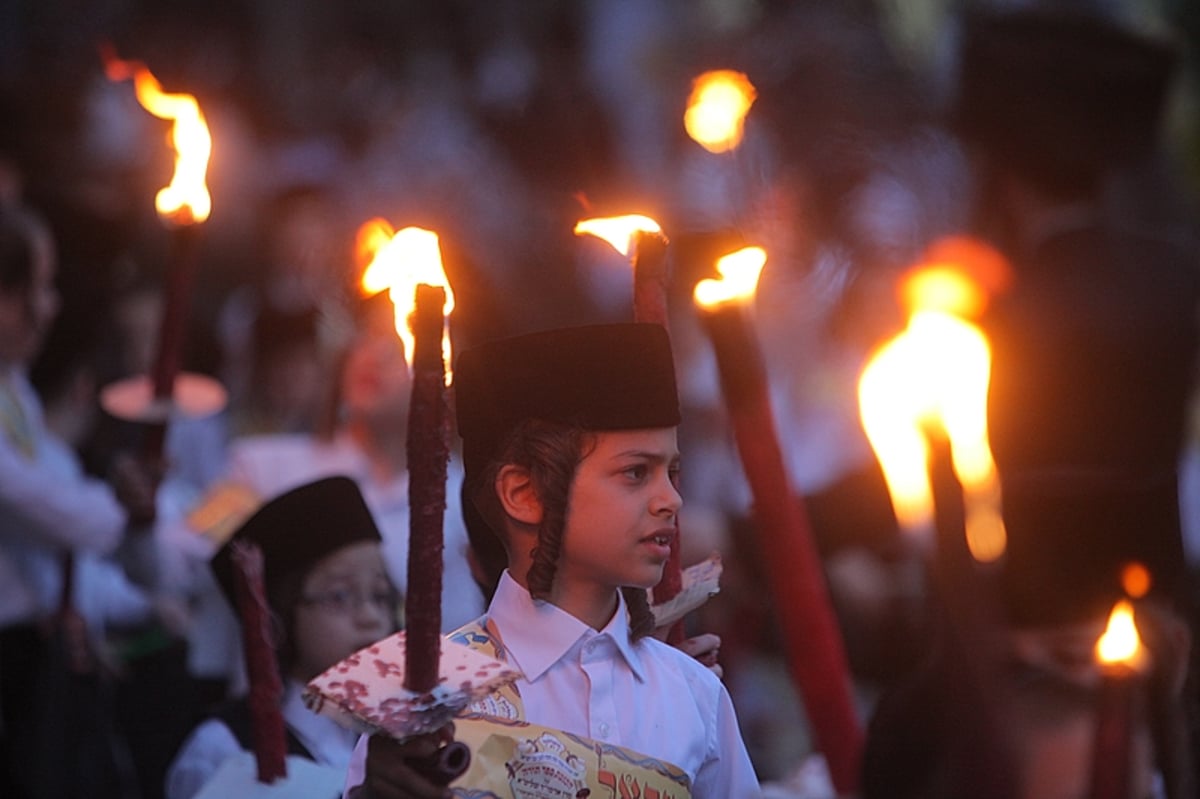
(499, 125)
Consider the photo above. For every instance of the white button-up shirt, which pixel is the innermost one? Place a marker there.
(47, 508)
(645, 695)
(211, 743)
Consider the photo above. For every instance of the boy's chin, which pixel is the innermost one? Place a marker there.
(647, 582)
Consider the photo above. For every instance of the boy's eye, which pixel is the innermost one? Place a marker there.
(673, 474)
(347, 600)
(337, 599)
(637, 472)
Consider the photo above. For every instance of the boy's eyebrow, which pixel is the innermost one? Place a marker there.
(648, 455)
(351, 574)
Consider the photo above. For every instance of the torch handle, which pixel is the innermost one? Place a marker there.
(815, 651)
(266, 687)
(175, 311)
(428, 455)
(444, 765)
(651, 274)
(1118, 708)
(167, 359)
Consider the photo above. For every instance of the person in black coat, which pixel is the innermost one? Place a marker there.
(1094, 350)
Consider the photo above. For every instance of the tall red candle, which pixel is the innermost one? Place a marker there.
(182, 205)
(172, 331)
(180, 278)
(813, 642)
(266, 688)
(1119, 705)
(428, 455)
(651, 273)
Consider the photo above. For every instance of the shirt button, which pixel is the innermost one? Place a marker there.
(604, 729)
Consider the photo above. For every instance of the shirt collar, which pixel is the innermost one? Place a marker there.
(537, 634)
(326, 742)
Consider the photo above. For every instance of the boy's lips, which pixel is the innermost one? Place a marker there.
(660, 538)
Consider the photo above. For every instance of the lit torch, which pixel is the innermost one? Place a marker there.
(716, 112)
(640, 239)
(813, 641)
(1122, 664)
(408, 264)
(716, 120)
(398, 262)
(935, 375)
(182, 206)
(923, 402)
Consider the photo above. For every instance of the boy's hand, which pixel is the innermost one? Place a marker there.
(390, 775)
(704, 648)
(135, 483)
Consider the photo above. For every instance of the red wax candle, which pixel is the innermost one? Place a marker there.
(428, 456)
(650, 274)
(172, 328)
(813, 642)
(266, 688)
(651, 271)
(181, 275)
(1118, 707)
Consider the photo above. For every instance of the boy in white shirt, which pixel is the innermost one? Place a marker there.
(569, 445)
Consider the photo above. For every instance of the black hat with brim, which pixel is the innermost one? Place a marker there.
(296, 530)
(597, 377)
(1073, 532)
(1060, 94)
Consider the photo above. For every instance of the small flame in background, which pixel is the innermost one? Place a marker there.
(399, 261)
(716, 112)
(739, 273)
(937, 372)
(1120, 643)
(619, 231)
(185, 200)
(1136, 579)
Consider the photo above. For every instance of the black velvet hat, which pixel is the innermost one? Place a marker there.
(598, 377)
(296, 530)
(1059, 94)
(1071, 534)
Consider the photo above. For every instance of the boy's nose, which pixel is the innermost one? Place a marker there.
(372, 614)
(668, 500)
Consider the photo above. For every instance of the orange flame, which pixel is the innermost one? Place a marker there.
(1136, 579)
(935, 371)
(619, 231)
(717, 109)
(399, 261)
(739, 278)
(1120, 643)
(185, 200)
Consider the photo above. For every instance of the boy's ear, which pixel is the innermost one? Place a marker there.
(518, 497)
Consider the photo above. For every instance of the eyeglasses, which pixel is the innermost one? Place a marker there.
(346, 601)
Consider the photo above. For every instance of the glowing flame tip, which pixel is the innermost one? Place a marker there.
(398, 262)
(739, 278)
(619, 231)
(185, 201)
(1120, 642)
(717, 109)
(936, 370)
